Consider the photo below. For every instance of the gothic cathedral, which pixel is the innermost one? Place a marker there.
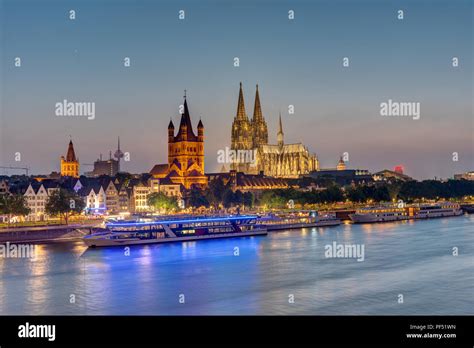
(280, 160)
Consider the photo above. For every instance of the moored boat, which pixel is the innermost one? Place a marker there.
(438, 210)
(468, 208)
(393, 213)
(299, 220)
(175, 230)
(379, 214)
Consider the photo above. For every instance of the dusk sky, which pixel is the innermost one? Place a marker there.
(296, 62)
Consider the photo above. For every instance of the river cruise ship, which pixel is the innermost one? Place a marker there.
(277, 222)
(148, 231)
(379, 214)
(424, 211)
(468, 208)
(428, 211)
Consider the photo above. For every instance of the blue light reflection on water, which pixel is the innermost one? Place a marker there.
(410, 258)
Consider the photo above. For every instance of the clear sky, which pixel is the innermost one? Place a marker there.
(296, 62)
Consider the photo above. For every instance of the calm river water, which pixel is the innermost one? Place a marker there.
(413, 259)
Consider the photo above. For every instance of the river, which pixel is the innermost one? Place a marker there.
(280, 274)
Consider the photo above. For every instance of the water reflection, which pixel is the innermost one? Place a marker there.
(256, 280)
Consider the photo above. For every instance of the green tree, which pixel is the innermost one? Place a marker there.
(433, 189)
(381, 194)
(394, 190)
(215, 192)
(238, 198)
(162, 202)
(228, 198)
(356, 195)
(331, 194)
(13, 205)
(271, 200)
(248, 200)
(196, 198)
(64, 203)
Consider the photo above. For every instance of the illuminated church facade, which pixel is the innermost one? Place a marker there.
(70, 163)
(185, 154)
(277, 160)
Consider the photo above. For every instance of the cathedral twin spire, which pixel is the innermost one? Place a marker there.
(249, 134)
(284, 161)
(257, 110)
(241, 115)
(259, 126)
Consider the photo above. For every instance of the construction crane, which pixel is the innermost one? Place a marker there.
(26, 169)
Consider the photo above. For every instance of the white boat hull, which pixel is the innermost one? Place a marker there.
(99, 242)
(370, 218)
(289, 226)
(440, 214)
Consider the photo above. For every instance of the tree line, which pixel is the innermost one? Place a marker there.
(64, 203)
(409, 192)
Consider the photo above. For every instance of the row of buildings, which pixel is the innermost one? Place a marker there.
(125, 194)
(103, 195)
(120, 194)
(69, 164)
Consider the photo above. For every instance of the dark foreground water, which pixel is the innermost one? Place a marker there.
(414, 259)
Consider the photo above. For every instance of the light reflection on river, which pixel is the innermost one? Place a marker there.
(410, 258)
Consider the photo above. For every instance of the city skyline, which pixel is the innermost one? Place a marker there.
(295, 62)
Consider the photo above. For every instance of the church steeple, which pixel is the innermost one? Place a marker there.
(71, 155)
(280, 133)
(170, 131)
(241, 114)
(70, 163)
(185, 131)
(185, 152)
(257, 110)
(259, 126)
(200, 131)
(242, 131)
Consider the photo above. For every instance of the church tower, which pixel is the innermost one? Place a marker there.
(241, 127)
(259, 126)
(70, 164)
(186, 152)
(241, 137)
(170, 134)
(280, 134)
